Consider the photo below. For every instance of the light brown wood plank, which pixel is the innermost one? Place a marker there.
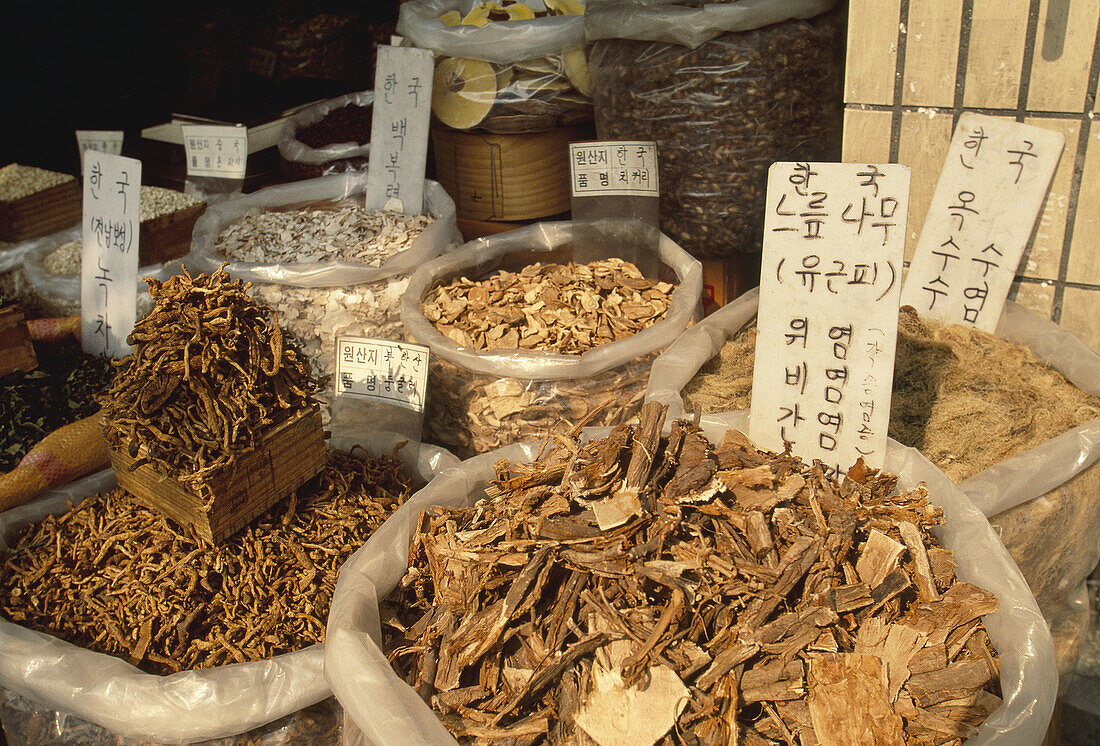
(1084, 254)
(1060, 84)
(931, 53)
(996, 54)
(872, 51)
(925, 138)
(866, 136)
(1043, 255)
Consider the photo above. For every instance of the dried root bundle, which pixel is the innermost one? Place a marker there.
(647, 590)
(115, 577)
(210, 370)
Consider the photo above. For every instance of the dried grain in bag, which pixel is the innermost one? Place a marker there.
(344, 153)
(1044, 502)
(502, 76)
(725, 89)
(57, 691)
(385, 710)
(482, 399)
(320, 298)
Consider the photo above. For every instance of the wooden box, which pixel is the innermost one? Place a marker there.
(914, 65)
(290, 454)
(16, 348)
(168, 237)
(41, 213)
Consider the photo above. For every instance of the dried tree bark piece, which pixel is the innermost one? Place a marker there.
(849, 704)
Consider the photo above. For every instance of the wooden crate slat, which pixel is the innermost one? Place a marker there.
(1061, 83)
(931, 51)
(995, 55)
(872, 51)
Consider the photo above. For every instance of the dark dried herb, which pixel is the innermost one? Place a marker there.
(209, 372)
(62, 390)
(666, 591)
(117, 578)
(349, 123)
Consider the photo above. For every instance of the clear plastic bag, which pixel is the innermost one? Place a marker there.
(59, 295)
(1045, 502)
(300, 161)
(481, 399)
(504, 76)
(382, 709)
(13, 280)
(725, 91)
(73, 686)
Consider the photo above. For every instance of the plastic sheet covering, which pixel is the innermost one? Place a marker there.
(429, 244)
(1044, 503)
(180, 708)
(59, 295)
(725, 90)
(500, 42)
(384, 710)
(482, 399)
(13, 280)
(517, 76)
(328, 159)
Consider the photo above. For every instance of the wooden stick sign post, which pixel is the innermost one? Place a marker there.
(830, 280)
(989, 194)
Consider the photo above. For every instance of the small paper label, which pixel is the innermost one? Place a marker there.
(399, 128)
(109, 263)
(834, 237)
(103, 141)
(614, 167)
(990, 192)
(215, 150)
(378, 370)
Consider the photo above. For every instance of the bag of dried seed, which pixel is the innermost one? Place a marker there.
(524, 343)
(381, 708)
(725, 89)
(322, 261)
(52, 268)
(56, 692)
(503, 68)
(327, 138)
(1013, 418)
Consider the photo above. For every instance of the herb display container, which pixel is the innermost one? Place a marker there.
(330, 137)
(35, 202)
(1044, 502)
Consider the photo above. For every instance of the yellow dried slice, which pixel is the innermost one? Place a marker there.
(451, 18)
(519, 12)
(479, 15)
(463, 91)
(576, 69)
(565, 7)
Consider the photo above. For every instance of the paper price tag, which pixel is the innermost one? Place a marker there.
(622, 167)
(377, 370)
(989, 194)
(215, 150)
(399, 128)
(109, 263)
(103, 141)
(834, 237)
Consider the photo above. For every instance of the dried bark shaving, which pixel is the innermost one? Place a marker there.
(739, 575)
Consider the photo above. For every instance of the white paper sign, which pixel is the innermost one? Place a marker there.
(990, 191)
(109, 263)
(378, 370)
(215, 150)
(103, 141)
(834, 237)
(399, 128)
(614, 167)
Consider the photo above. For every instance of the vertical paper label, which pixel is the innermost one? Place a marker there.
(623, 168)
(102, 141)
(215, 150)
(379, 370)
(830, 280)
(399, 128)
(989, 194)
(109, 263)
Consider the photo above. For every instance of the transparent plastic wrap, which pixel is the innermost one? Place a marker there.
(725, 90)
(1044, 503)
(481, 399)
(71, 689)
(13, 280)
(502, 76)
(382, 709)
(344, 153)
(59, 295)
